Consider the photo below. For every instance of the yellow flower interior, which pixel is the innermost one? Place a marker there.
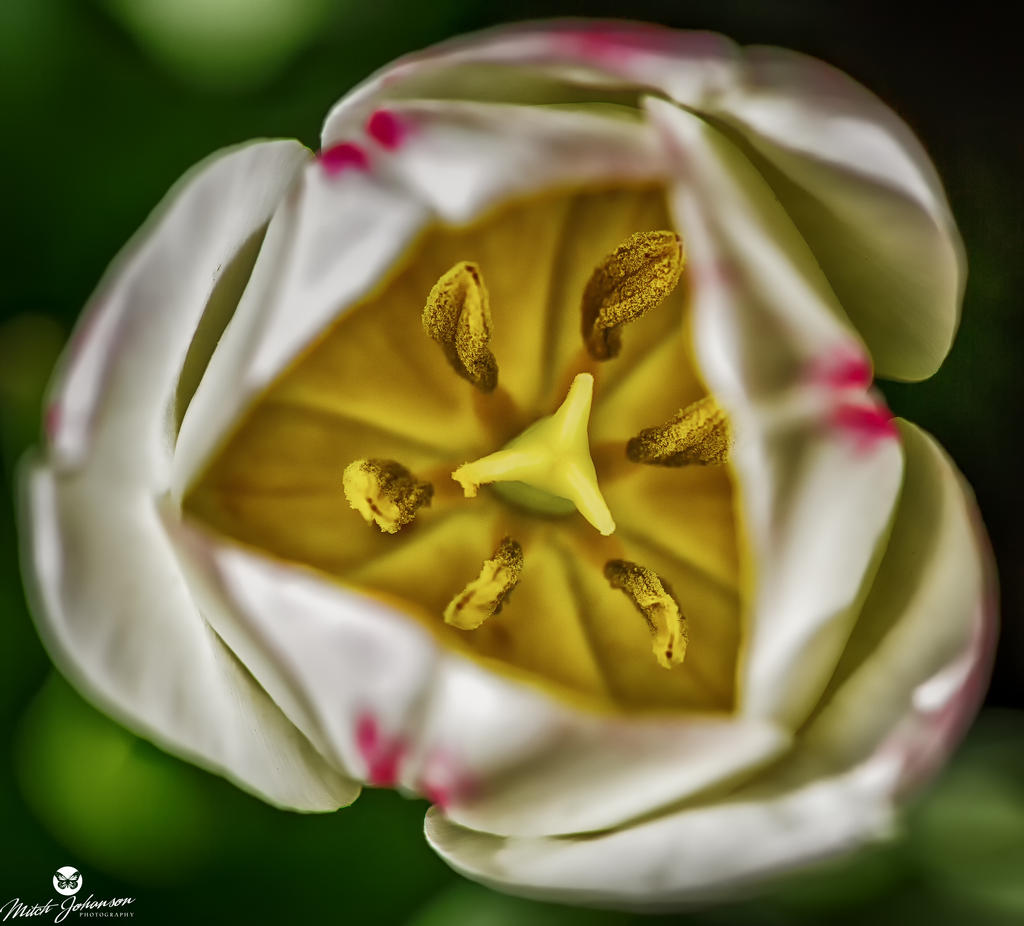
(376, 386)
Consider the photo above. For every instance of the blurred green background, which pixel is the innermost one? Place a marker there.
(106, 102)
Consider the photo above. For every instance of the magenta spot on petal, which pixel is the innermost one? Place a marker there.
(382, 771)
(602, 47)
(846, 369)
(385, 128)
(367, 733)
(345, 156)
(438, 794)
(868, 424)
(382, 755)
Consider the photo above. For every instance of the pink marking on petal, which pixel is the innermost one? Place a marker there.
(444, 781)
(382, 755)
(868, 424)
(51, 419)
(594, 46)
(440, 795)
(712, 274)
(846, 368)
(611, 44)
(387, 129)
(925, 740)
(344, 156)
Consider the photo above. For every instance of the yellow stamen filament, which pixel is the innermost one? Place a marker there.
(458, 316)
(552, 455)
(484, 596)
(654, 600)
(700, 434)
(385, 493)
(627, 284)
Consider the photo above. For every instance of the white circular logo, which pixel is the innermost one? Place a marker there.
(67, 881)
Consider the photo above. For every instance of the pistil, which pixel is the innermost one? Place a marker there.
(552, 456)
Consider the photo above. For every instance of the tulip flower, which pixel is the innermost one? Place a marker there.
(520, 450)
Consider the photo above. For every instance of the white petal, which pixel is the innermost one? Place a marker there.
(858, 184)
(864, 194)
(930, 615)
(328, 244)
(463, 157)
(328, 656)
(109, 595)
(708, 852)
(568, 772)
(499, 754)
(119, 619)
(913, 674)
(816, 506)
(527, 64)
(128, 351)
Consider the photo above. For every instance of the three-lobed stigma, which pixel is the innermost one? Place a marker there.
(552, 455)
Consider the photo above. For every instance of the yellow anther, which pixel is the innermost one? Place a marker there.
(627, 284)
(700, 434)
(483, 597)
(552, 455)
(385, 493)
(458, 316)
(654, 600)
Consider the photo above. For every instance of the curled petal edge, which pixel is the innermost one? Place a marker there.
(824, 800)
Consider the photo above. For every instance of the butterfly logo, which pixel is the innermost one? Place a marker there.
(67, 880)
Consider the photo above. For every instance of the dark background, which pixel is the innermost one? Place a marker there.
(104, 103)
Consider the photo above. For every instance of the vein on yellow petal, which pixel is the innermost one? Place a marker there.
(656, 384)
(382, 427)
(686, 510)
(573, 567)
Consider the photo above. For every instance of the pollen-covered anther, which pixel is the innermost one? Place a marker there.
(458, 316)
(655, 601)
(698, 434)
(626, 285)
(385, 493)
(483, 597)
